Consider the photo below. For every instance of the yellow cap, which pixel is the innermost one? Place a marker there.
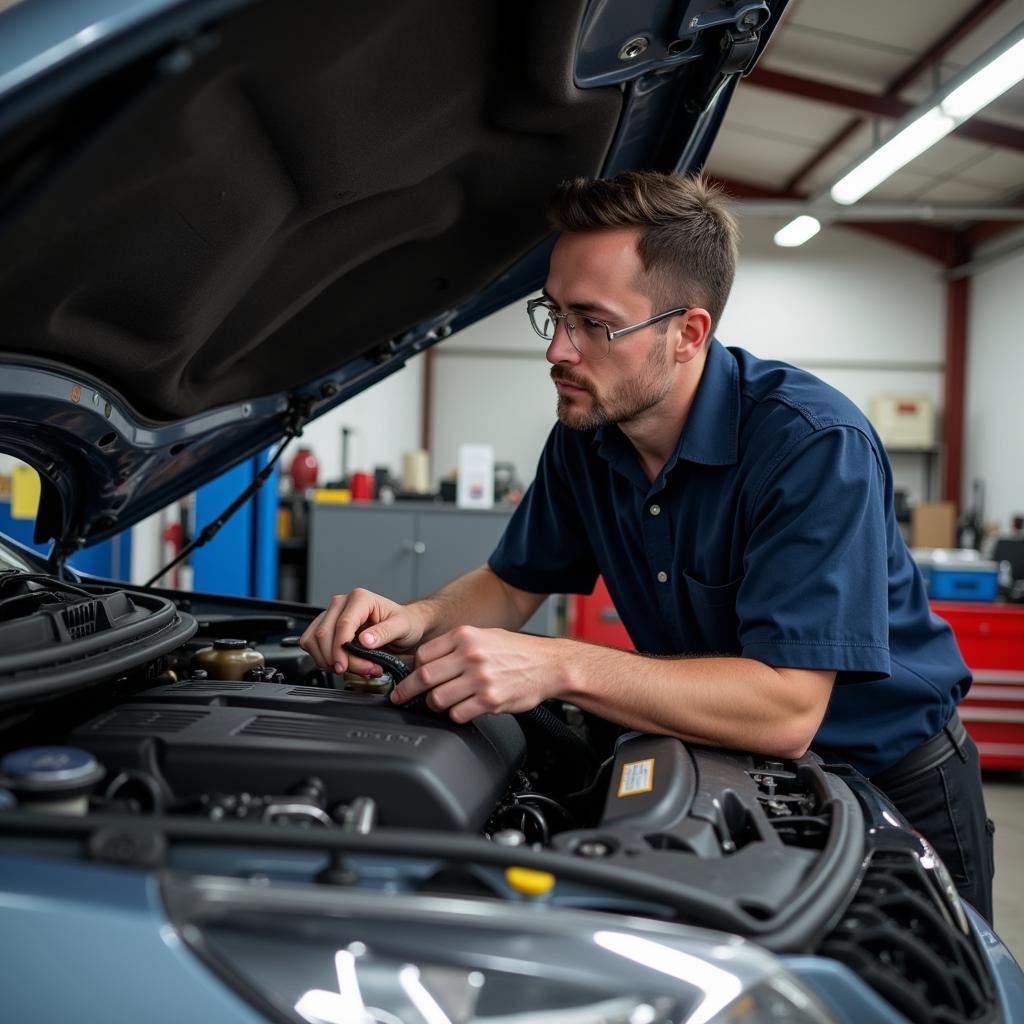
(528, 882)
(332, 495)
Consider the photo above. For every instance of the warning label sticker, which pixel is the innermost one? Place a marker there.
(637, 777)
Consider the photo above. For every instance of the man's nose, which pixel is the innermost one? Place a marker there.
(560, 348)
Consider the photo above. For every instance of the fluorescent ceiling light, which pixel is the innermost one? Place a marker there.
(918, 136)
(980, 87)
(986, 85)
(797, 231)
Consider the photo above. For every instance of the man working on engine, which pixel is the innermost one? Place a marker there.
(741, 514)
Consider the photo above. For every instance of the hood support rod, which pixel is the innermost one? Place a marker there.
(298, 413)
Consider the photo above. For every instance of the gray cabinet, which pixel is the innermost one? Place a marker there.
(403, 551)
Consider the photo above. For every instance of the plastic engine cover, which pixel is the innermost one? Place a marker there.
(423, 770)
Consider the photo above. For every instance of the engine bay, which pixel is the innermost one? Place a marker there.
(232, 735)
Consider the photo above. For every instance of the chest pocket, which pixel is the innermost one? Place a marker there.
(714, 623)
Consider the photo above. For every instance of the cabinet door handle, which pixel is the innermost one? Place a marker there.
(414, 547)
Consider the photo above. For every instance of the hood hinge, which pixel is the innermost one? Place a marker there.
(60, 553)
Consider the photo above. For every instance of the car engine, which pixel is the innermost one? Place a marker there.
(193, 734)
(181, 707)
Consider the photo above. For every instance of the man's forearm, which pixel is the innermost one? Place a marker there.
(729, 702)
(479, 598)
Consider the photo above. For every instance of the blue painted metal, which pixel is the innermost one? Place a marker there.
(72, 929)
(50, 48)
(849, 1000)
(242, 559)
(224, 566)
(1007, 973)
(669, 40)
(265, 506)
(111, 560)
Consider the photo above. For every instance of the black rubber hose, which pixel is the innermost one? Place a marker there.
(542, 724)
(538, 723)
(391, 663)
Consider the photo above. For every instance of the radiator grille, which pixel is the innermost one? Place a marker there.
(896, 936)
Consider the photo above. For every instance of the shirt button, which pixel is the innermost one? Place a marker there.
(663, 577)
(655, 510)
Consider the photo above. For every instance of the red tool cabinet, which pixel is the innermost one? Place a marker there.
(593, 618)
(991, 639)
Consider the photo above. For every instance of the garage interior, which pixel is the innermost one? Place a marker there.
(908, 300)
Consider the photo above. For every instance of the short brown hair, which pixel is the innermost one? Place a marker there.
(688, 237)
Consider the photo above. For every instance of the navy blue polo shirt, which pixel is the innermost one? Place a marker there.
(769, 534)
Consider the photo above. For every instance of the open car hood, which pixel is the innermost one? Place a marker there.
(221, 219)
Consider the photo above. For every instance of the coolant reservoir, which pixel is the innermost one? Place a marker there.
(227, 659)
(55, 780)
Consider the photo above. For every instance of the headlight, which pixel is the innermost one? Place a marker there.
(331, 957)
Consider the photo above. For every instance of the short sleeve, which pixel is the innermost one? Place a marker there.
(814, 592)
(545, 549)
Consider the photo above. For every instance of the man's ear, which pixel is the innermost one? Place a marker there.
(692, 330)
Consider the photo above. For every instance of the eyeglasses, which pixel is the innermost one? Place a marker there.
(591, 338)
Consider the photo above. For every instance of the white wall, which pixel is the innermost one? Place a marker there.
(491, 386)
(860, 313)
(385, 421)
(994, 415)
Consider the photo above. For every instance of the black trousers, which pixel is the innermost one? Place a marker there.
(945, 803)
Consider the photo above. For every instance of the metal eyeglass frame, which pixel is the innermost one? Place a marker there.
(570, 326)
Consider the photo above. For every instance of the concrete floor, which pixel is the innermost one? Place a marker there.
(1004, 798)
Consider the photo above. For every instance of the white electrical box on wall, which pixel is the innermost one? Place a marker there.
(904, 421)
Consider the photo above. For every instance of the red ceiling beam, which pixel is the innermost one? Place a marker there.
(970, 21)
(988, 133)
(934, 243)
(987, 230)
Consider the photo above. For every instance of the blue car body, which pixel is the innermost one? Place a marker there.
(218, 220)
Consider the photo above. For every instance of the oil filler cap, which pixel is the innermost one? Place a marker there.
(528, 882)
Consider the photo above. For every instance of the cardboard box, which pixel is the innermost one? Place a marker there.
(933, 525)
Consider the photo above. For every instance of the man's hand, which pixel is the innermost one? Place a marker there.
(470, 672)
(376, 621)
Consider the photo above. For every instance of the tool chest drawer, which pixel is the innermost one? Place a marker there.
(991, 639)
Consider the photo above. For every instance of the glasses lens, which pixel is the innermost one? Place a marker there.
(590, 338)
(542, 320)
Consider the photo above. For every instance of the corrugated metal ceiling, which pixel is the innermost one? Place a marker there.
(769, 135)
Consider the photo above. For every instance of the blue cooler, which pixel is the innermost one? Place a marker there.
(957, 574)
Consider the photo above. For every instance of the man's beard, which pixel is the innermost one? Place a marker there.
(626, 401)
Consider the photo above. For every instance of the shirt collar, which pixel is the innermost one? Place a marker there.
(710, 436)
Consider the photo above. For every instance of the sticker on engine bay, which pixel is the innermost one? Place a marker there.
(637, 777)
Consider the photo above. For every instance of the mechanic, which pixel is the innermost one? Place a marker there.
(741, 514)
